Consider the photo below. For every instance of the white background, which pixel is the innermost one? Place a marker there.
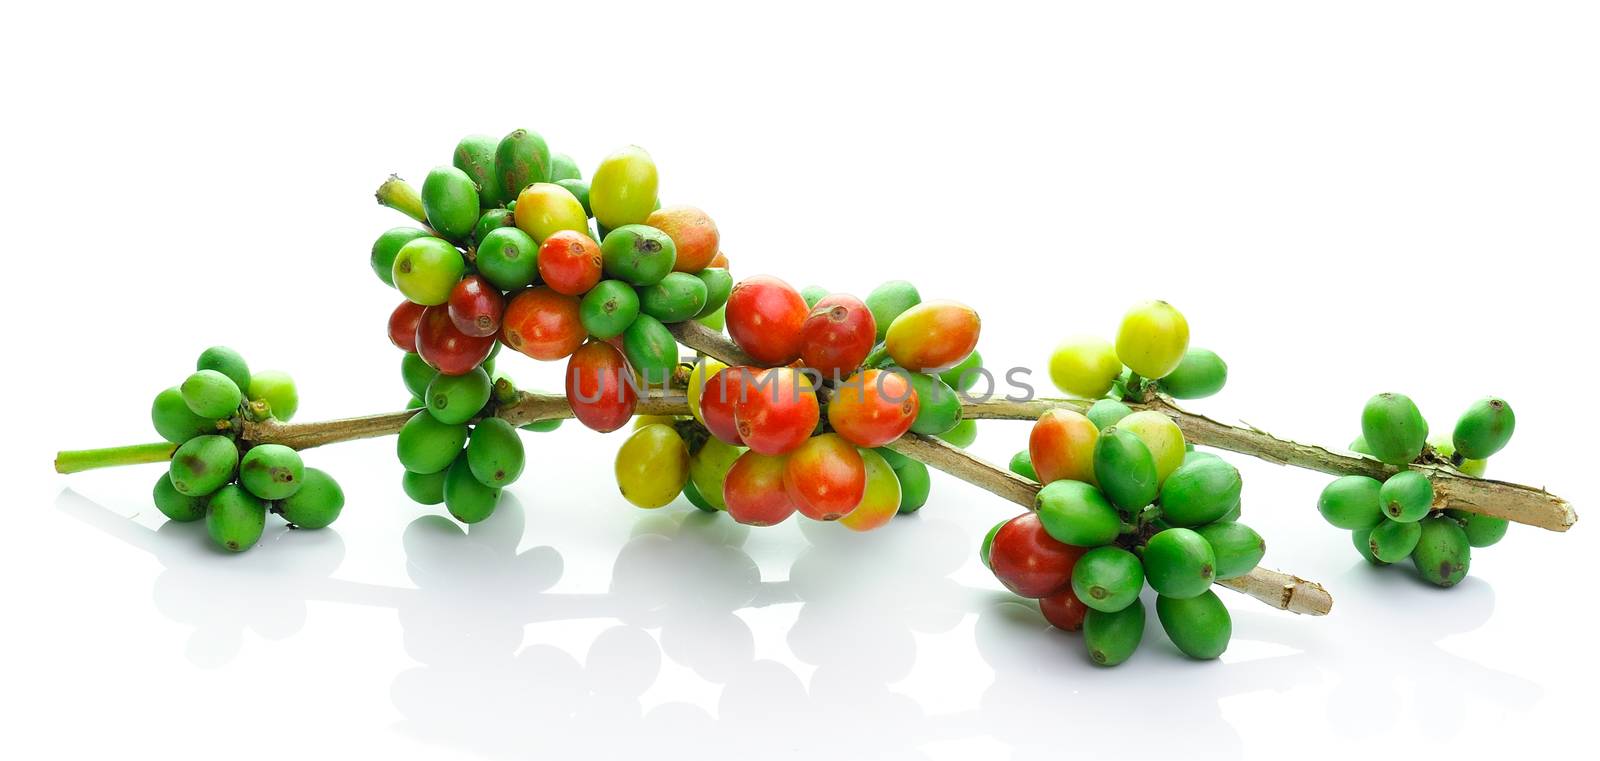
(1343, 198)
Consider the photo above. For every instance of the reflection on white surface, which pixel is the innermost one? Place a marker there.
(680, 585)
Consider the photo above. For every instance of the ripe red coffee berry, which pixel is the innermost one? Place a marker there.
(873, 407)
(693, 234)
(403, 325)
(825, 477)
(543, 324)
(598, 388)
(570, 262)
(447, 349)
(475, 306)
(718, 396)
(1028, 561)
(764, 317)
(777, 412)
(837, 336)
(753, 490)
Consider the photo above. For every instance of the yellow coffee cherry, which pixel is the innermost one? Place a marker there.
(1153, 337)
(1085, 366)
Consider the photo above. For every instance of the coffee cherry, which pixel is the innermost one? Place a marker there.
(521, 159)
(1084, 366)
(1124, 469)
(1064, 610)
(475, 307)
(915, 484)
(1076, 513)
(1393, 541)
(1352, 502)
(494, 453)
(1238, 547)
(1028, 561)
(1179, 563)
(1112, 638)
(1443, 555)
(1484, 429)
(202, 465)
(778, 412)
(387, 247)
(1201, 491)
(450, 199)
(825, 477)
(211, 394)
(1393, 428)
(678, 297)
(1200, 626)
(467, 498)
(316, 504)
(753, 490)
(1108, 579)
(693, 234)
(623, 189)
(872, 408)
(1406, 496)
(545, 209)
(508, 258)
(880, 501)
(426, 269)
(1161, 436)
(271, 471)
(1108, 412)
(456, 399)
(836, 336)
(765, 316)
(1152, 339)
(277, 391)
(708, 469)
(608, 309)
(543, 324)
(718, 398)
(638, 255)
(932, 335)
(889, 301)
(228, 362)
(598, 387)
(403, 322)
(1200, 374)
(652, 466)
(176, 505)
(426, 445)
(474, 156)
(569, 262)
(235, 518)
(445, 348)
(1061, 447)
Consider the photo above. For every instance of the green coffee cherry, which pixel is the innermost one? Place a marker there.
(316, 504)
(1446, 449)
(455, 399)
(450, 199)
(508, 258)
(275, 389)
(417, 375)
(1406, 497)
(1352, 502)
(1108, 579)
(521, 159)
(638, 254)
(939, 408)
(1125, 469)
(1111, 638)
(465, 496)
(623, 188)
(1199, 374)
(988, 542)
(964, 374)
(562, 167)
(813, 294)
(608, 309)
(1392, 541)
(426, 269)
(651, 349)
(211, 394)
(384, 250)
(176, 505)
(678, 297)
(426, 445)
(1443, 554)
(1359, 446)
(1393, 428)
(692, 493)
(1108, 412)
(1482, 530)
(1362, 539)
(1200, 491)
(579, 190)
(1078, 514)
(1179, 563)
(474, 156)
(203, 464)
(717, 320)
(543, 426)
(887, 301)
(1238, 548)
(228, 362)
(424, 488)
(174, 420)
(235, 518)
(272, 471)
(895, 459)
(719, 284)
(962, 434)
(1484, 429)
(1200, 626)
(494, 453)
(914, 486)
(493, 219)
(1022, 465)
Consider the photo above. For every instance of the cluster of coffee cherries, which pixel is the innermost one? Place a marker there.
(1396, 518)
(229, 482)
(520, 250)
(1126, 502)
(834, 381)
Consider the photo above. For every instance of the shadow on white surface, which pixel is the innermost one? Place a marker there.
(677, 590)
